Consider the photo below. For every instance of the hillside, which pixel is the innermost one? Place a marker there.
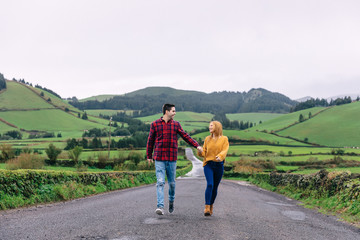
(150, 101)
(23, 108)
(339, 126)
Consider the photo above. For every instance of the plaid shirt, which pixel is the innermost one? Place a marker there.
(163, 136)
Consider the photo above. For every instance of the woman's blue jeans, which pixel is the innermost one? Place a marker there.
(213, 173)
(168, 169)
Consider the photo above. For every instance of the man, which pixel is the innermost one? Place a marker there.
(163, 141)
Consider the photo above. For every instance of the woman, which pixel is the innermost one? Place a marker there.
(214, 152)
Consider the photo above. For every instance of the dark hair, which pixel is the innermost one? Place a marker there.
(167, 107)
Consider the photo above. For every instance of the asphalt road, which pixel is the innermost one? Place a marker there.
(240, 212)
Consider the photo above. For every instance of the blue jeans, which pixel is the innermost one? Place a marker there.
(162, 168)
(213, 173)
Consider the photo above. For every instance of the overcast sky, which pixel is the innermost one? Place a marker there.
(84, 48)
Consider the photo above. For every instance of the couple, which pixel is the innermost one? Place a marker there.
(163, 142)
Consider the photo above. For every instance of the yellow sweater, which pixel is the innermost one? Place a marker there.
(214, 148)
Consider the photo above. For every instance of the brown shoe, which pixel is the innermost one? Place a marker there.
(207, 210)
(211, 209)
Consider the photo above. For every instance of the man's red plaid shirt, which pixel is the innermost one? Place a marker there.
(163, 140)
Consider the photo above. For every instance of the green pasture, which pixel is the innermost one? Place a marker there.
(252, 117)
(254, 136)
(48, 120)
(113, 154)
(252, 149)
(55, 100)
(99, 98)
(18, 97)
(182, 117)
(338, 126)
(188, 120)
(285, 120)
(107, 112)
(4, 128)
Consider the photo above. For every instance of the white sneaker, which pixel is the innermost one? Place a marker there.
(159, 211)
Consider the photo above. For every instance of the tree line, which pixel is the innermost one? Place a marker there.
(321, 103)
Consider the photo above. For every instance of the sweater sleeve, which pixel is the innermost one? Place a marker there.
(203, 153)
(224, 149)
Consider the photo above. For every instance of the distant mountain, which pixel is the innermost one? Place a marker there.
(155, 91)
(304, 99)
(352, 95)
(150, 100)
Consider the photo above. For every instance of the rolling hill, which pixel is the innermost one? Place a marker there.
(150, 101)
(336, 126)
(23, 108)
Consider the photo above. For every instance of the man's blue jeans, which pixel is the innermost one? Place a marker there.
(213, 173)
(162, 168)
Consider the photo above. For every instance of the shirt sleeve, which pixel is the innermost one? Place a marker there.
(186, 137)
(224, 149)
(150, 142)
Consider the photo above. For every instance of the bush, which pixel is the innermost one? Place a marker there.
(136, 157)
(75, 153)
(253, 166)
(26, 161)
(6, 152)
(52, 153)
(102, 160)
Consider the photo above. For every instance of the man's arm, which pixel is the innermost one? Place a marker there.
(150, 143)
(187, 138)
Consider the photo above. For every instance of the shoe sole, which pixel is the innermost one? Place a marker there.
(159, 212)
(207, 214)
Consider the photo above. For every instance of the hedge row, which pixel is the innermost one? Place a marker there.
(28, 187)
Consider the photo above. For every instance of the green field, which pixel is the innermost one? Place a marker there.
(99, 98)
(255, 136)
(19, 97)
(49, 120)
(251, 149)
(338, 126)
(4, 127)
(188, 120)
(252, 117)
(285, 120)
(107, 112)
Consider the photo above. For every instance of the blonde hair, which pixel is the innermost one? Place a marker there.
(218, 132)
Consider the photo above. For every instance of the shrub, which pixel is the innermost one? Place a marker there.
(253, 166)
(26, 161)
(75, 153)
(52, 153)
(103, 160)
(6, 152)
(136, 157)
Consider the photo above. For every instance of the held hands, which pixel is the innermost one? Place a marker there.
(218, 159)
(200, 149)
(150, 161)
